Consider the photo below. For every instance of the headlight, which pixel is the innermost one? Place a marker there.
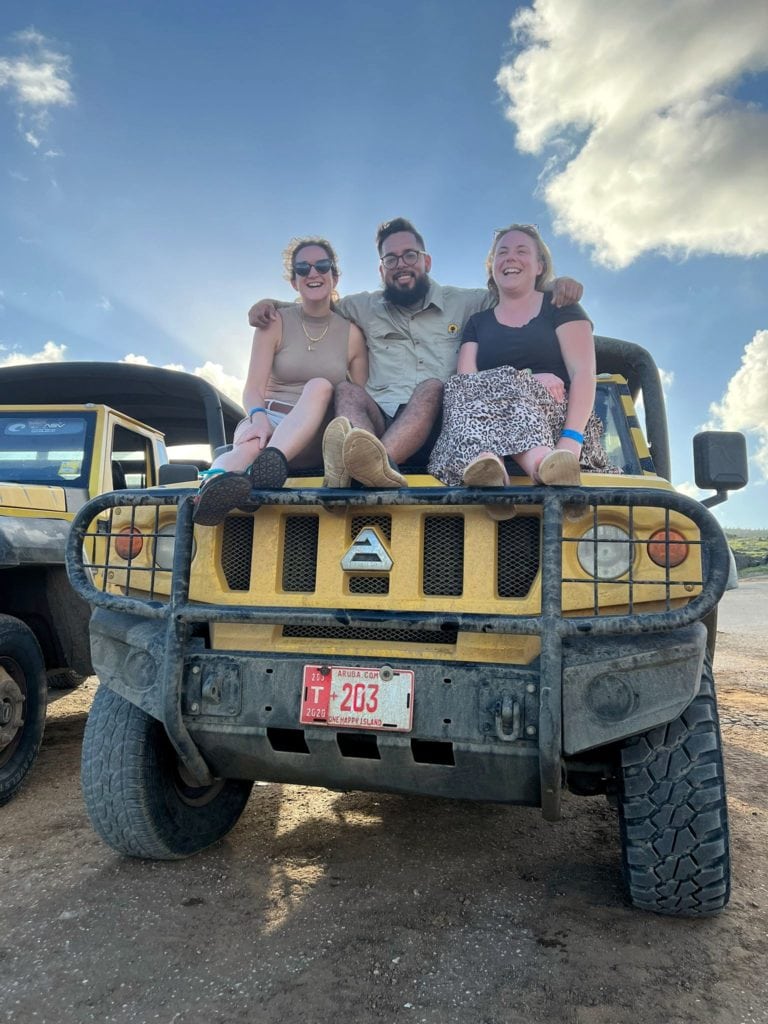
(605, 552)
(164, 545)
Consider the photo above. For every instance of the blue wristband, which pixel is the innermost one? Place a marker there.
(574, 435)
(256, 408)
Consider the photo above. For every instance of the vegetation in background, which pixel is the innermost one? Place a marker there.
(750, 549)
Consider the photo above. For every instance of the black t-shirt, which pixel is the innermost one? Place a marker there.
(534, 346)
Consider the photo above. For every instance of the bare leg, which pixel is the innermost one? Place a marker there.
(529, 461)
(356, 404)
(547, 466)
(413, 425)
(291, 435)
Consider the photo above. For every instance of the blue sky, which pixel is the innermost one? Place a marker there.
(156, 157)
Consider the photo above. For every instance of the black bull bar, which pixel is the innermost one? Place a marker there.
(550, 625)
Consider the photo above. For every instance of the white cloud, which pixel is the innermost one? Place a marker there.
(38, 79)
(744, 405)
(650, 150)
(50, 353)
(689, 489)
(105, 304)
(667, 378)
(214, 373)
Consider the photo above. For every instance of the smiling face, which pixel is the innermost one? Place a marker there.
(516, 262)
(404, 285)
(315, 286)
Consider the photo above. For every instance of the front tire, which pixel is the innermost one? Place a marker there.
(23, 699)
(673, 815)
(135, 795)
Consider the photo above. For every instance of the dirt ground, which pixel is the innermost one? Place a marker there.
(323, 906)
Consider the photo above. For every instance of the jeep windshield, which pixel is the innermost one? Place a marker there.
(46, 448)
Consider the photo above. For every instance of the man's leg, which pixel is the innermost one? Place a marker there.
(356, 404)
(353, 408)
(413, 423)
(368, 459)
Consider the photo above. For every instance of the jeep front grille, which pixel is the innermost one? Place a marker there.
(374, 633)
(517, 561)
(237, 551)
(443, 566)
(300, 554)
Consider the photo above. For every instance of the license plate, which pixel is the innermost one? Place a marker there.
(357, 698)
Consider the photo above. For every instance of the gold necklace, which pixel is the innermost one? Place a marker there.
(309, 336)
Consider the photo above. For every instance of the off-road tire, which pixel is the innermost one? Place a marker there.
(673, 815)
(135, 797)
(64, 678)
(22, 660)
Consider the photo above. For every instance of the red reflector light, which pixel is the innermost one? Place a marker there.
(129, 542)
(667, 548)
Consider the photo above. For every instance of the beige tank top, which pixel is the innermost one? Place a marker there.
(299, 358)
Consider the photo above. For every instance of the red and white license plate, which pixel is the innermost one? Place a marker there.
(357, 698)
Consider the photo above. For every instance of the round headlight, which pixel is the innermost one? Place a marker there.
(605, 553)
(164, 545)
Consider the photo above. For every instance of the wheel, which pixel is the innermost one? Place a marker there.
(135, 795)
(23, 698)
(64, 678)
(673, 815)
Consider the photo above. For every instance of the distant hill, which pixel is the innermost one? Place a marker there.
(750, 549)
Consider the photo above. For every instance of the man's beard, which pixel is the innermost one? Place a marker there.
(407, 296)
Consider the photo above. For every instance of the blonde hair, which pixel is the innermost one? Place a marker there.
(545, 255)
(289, 257)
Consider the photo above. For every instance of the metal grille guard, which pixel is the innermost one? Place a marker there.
(550, 624)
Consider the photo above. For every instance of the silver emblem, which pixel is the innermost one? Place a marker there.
(366, 554)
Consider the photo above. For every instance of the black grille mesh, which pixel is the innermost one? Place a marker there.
(377, 584)
(300, 554)
(378, 633)
(237, 551)
(443, 567)
(518, 555)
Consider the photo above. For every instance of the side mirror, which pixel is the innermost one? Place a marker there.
(176, 473)
(720, 463)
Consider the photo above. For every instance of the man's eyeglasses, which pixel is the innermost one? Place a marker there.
(302, 267)
(410, 258)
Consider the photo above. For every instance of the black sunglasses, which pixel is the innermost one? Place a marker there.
(302, 267)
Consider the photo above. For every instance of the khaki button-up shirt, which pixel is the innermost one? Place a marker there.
(407, 346)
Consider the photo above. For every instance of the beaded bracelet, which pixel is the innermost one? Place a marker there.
(574, 435)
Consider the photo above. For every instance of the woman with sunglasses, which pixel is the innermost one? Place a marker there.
(296, 361)
(525, 385)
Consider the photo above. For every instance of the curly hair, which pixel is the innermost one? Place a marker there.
(543, 250)
(295, 244)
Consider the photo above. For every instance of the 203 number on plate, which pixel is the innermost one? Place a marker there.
(357, 698)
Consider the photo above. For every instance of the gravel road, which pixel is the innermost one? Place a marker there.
(364, 908)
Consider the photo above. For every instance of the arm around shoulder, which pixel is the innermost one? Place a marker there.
(565, 291)
(357, 367)
(264, 312)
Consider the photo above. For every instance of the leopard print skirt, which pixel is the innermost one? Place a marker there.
(504, 411)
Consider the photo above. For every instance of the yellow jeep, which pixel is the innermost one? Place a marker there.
(73, 431)
(484, 644)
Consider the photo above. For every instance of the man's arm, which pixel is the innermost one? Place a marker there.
(565, 291)
(264, 312)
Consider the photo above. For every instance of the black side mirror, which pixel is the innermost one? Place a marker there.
(720, 463)
(176, 473)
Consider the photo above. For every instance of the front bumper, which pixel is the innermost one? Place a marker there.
(495, 732)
